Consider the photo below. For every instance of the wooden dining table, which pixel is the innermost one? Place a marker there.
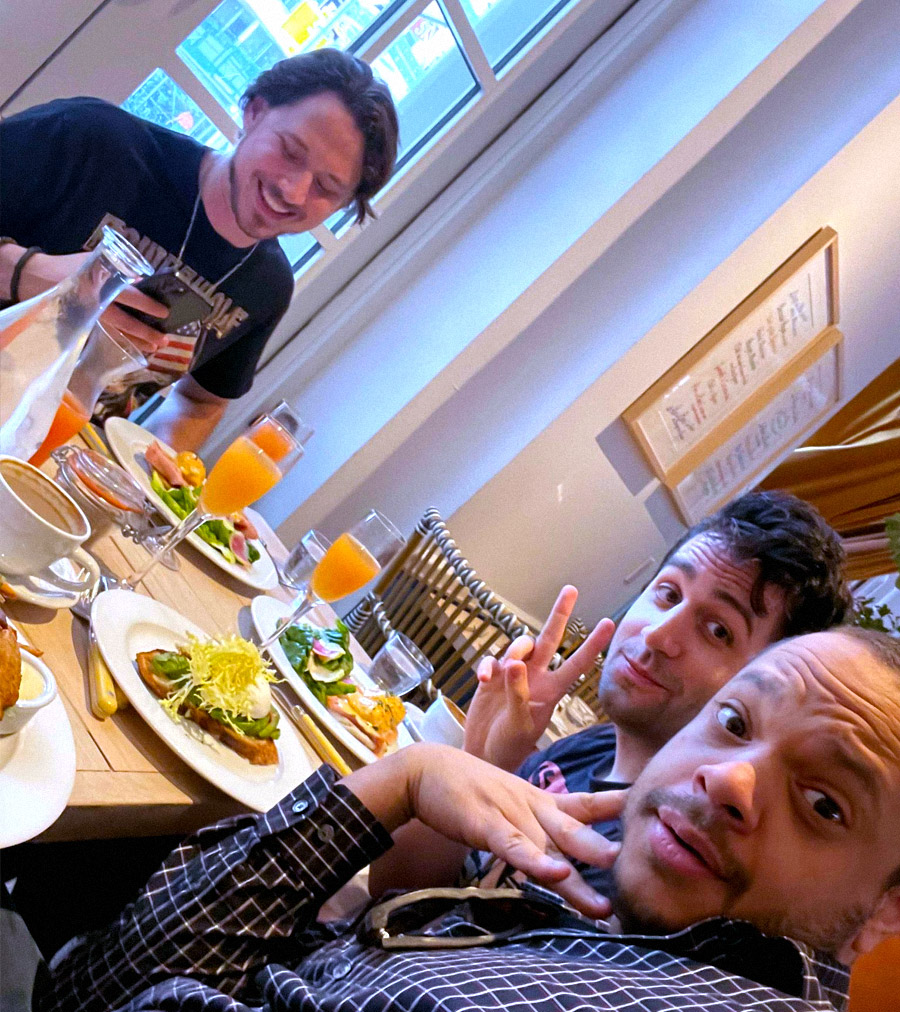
(128, 782)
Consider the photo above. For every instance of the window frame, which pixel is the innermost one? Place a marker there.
(571, 33)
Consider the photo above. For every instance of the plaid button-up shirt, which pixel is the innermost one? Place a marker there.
(228, 924)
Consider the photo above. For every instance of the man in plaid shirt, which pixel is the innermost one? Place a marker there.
(760, 857)
(763, 567)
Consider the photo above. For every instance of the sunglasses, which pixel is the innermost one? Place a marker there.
(460, 918)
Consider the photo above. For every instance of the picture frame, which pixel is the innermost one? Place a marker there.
(764, 435)
(743, 363)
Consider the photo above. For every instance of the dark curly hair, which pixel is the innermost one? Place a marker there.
(367, 99)
(796, 550)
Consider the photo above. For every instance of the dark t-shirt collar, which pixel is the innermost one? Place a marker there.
(599, 783)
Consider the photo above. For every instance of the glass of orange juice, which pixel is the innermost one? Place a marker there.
(242, 474)
(279, 429)
(353, 559)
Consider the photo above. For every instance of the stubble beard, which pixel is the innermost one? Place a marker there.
(644, 723)
(829, 936)
(638, 919)
(634, 915)
(234, 196)
(232, 185)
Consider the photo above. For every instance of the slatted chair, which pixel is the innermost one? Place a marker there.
(432, 594)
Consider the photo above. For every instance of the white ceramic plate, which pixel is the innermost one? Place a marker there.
(266, 611)
(40, 590)
(37, 771)
(128, 442)
(126, 624)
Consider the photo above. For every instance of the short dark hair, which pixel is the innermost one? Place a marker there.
(881, 645)
(796, 550)
(367, 99)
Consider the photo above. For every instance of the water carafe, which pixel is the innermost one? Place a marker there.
(41, 339)
(108, 357)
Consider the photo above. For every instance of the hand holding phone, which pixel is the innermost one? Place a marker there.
(172, 290)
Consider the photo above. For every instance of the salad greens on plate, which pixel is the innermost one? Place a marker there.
(217, 532)
(321, 657)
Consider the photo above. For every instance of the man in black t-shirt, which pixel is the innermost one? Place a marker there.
(319, 134)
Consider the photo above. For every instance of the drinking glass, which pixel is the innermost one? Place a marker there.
(243, 474)
(109, 495)
(349, 563)
(399, 666)
(107, 357)
(281, 419)
(294, 574)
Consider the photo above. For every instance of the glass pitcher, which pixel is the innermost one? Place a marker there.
(41, 339)
(108, 357)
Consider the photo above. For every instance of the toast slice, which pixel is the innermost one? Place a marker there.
(258, 751)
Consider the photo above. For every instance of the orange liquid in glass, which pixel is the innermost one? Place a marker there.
(240, 476)
(70, 417)
(272, 440)
(345, 567)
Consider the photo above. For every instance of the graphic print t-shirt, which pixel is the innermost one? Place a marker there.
(73, 165)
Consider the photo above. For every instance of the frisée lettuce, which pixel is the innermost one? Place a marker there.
(225, 677)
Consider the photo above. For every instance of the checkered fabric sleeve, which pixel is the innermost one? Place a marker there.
(230, 899)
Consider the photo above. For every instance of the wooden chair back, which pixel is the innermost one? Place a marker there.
(432, 594)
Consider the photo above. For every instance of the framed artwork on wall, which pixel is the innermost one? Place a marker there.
(741, 365)
(766, 433)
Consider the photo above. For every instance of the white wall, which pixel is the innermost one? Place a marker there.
(508, 449)
(560, 496)
(30, 33)
(109, 47)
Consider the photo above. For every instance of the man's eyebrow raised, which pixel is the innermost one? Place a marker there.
(690, 570)
(862, 771)
(765, 684)
(738, 606)
(835, 752)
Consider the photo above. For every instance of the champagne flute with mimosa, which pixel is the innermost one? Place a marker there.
(279, 429)
(357, 556)
(243, 474)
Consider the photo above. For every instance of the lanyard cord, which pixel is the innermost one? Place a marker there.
(187, 236)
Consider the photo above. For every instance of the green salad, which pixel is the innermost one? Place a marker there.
(217, 533)
(321, 657)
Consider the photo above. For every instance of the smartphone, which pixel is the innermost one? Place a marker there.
(172, 290)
